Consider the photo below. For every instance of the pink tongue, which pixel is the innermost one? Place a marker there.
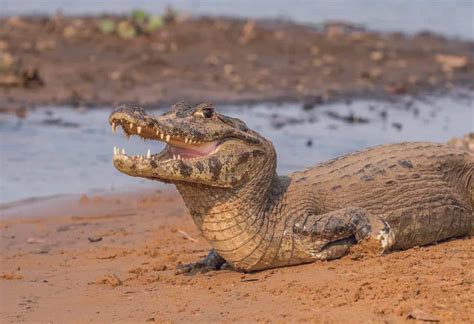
(192, 151)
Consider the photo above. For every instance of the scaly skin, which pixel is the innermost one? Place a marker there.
(398, 195)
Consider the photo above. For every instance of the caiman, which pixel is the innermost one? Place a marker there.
(397, 195)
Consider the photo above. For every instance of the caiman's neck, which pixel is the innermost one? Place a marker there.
(239, 221)
(209, 204)
(236, 221)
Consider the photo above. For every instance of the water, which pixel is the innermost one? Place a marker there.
(448, 17)
(62, 150)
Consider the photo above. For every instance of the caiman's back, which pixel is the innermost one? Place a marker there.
(423, 190)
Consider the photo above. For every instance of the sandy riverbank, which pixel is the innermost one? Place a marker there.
(111, 257)
(80, 61)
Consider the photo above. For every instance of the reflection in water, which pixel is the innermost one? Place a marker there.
(62, 150)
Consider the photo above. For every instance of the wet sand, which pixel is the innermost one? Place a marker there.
(112, 257)
(68, 60)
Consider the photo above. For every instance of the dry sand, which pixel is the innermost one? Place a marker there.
(52, 272)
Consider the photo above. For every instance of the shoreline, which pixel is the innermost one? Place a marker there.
(68, 60)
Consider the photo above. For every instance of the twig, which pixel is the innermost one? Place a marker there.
(187, 236)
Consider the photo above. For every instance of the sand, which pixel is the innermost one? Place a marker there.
(111, 258)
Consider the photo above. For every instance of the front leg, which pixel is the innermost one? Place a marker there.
(330, 235)
(212, 261)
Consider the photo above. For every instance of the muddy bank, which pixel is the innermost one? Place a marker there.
(98, 61)
(112, 257)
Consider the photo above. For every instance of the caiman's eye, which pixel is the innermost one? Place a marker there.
(206, 112)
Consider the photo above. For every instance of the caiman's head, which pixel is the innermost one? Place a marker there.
(203, 146)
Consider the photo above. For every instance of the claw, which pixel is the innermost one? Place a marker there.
(211, 262)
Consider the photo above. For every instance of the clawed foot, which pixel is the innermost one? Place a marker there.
(380, 238)
(384, 235)
(211, 262)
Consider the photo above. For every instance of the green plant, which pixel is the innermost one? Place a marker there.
(154, 23)
(139, 16)
(107, 26)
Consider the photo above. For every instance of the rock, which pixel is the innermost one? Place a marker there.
(377, 56)
(31, 78)
(160, 267)
(110, 280)
(229, 69)
(6, 61)
(311, 102)
(3, 45)
(466, 143)
(451, 62)
(396, 89)
(351, 118)
(115, 75)
(397, 125)
(372, 74)
(248, 32)
(334, 31)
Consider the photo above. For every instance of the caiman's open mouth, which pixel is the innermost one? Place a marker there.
(177, 148)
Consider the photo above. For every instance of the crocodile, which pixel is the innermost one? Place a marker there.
(394, 196)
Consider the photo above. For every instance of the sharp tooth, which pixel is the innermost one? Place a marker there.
(157, 132)
(131, 126)
(179, 157)
(174, 157)
(162, 135)
(148, 154)
(139, 129)
(186, 140)
(115, 150)
(168, 138)
(123, 151)
(113, 127)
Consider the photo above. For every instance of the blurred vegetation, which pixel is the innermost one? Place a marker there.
(107, 26)
(139, 22)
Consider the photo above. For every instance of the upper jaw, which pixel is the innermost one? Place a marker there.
(147, 127)
(135, 121)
